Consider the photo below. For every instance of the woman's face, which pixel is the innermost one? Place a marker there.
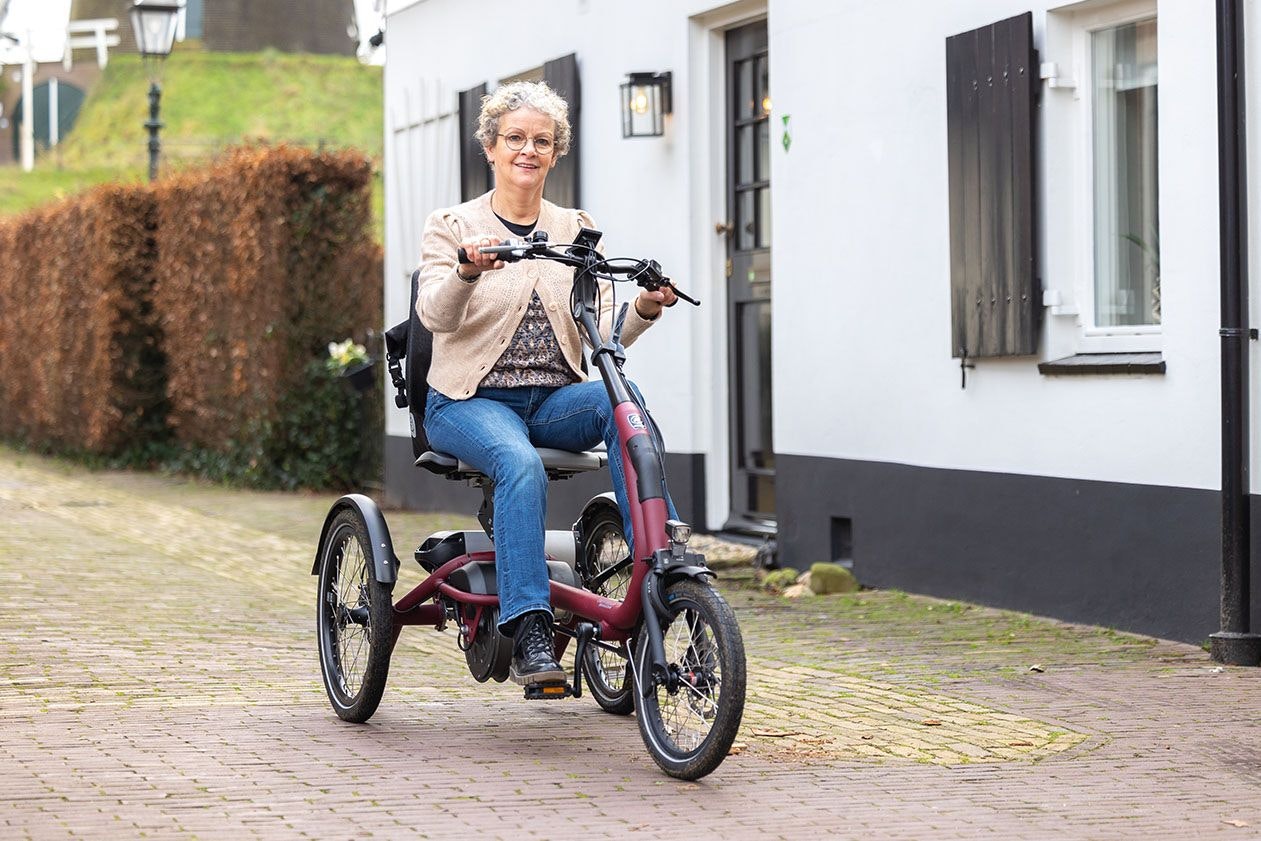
(525, 168)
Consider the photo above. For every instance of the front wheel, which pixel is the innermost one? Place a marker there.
(689, 729)
(354, 620)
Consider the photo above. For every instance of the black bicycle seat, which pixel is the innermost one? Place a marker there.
(557, 463)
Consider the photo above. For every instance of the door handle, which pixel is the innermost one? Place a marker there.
(724, 228)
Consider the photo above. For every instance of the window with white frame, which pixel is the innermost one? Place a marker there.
(1124, 181)
(1101, 112)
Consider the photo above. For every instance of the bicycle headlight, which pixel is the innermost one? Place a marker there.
(679, 531)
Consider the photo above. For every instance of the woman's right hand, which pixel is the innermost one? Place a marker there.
(478, 262)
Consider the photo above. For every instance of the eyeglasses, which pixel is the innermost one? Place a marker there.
(516, 141)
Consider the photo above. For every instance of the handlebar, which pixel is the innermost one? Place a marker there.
(645, 273)
(498, 250)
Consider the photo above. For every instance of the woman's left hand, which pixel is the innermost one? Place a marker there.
(649, 303)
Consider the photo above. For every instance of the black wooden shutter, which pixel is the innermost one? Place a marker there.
(991, 85)
(562, 183)
(474, 171)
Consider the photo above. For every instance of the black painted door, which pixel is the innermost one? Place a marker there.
(748, 271)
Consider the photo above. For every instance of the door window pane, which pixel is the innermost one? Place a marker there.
(1127, 233)
(764, 150)
(763, 105)
(744, 90)
(746, 222)
(762, 495)
(754, 357)
(744, 154)
(764, 218)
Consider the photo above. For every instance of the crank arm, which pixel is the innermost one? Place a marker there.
(586, 632)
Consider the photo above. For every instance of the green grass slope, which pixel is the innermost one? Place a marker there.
(209, 101)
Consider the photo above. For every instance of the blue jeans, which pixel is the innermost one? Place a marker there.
(496, 431)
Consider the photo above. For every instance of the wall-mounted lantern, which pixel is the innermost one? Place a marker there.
(646, 99)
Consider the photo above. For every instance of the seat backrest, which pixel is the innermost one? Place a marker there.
(419, 354)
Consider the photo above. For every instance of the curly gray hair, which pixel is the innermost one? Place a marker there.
(537, 96)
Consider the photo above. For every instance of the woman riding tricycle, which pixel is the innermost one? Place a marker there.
(509, 289)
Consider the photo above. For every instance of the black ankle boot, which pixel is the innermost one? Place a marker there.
(534, 651)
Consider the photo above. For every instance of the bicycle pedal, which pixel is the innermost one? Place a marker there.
(545, 691)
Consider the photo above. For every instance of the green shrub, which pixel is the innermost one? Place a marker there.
(318, 438)
(780, 579)
(321, 439)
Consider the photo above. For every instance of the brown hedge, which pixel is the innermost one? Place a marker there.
(194, 305)
(265, 258)
(78, 336)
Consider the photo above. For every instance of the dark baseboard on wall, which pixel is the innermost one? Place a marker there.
(1139, 558)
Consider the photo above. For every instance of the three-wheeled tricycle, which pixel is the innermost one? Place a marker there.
(651, 635)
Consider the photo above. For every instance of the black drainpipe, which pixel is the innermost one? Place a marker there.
(1234, 643)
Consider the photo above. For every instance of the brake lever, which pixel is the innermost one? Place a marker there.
(615, 336)
(680, 293)
(656, 280)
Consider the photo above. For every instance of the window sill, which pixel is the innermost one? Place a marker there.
(1105, 363)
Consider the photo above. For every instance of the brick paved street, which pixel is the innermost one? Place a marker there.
(158, 679)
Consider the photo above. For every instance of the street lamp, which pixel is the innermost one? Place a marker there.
(154, 23)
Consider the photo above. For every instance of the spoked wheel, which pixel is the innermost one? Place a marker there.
(606, 570)
(354, 619)
(689, 728)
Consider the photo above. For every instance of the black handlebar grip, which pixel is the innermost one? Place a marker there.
(501, 250)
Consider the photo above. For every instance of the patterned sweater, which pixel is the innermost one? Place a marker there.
(533, 357)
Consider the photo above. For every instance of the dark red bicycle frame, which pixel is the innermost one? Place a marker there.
(616, 619)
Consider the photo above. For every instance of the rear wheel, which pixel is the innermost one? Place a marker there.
(606, 570)
(354, 620)
(689, 729)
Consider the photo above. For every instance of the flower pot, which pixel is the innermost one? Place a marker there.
(361, 377)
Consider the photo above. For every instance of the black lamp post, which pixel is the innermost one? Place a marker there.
(154, 22)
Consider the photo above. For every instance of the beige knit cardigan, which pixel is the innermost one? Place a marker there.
(473, 323)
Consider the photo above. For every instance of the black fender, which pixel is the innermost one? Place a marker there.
(384, 562)
(677, 573)
(688, 565)
(669, 568)
(597, 503)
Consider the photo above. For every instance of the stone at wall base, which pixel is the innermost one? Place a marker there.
(831, 578)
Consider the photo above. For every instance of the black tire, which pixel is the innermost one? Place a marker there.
(606, 570)
(689, 732)
(354, 620)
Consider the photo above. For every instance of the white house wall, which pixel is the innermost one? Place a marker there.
(861, 260)
(866, 179)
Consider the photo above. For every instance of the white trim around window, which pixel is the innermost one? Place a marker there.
(1071, 289)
